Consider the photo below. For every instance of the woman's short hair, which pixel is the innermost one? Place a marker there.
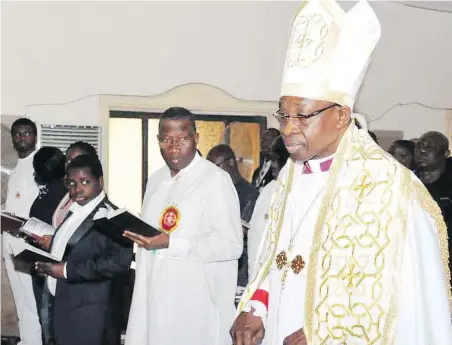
(86, 162)
(83, 146)
(48, 163)
(406, 144)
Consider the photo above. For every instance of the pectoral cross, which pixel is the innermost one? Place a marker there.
(350, 275)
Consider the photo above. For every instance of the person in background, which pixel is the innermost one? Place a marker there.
(48, 163)
(22, 192)
(80, 287)
(186, 277)
(278, 156)
(263, 175)
(403, 152)
(434, 169)
(224, 157)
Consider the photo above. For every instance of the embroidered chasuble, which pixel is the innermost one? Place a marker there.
(375, 268)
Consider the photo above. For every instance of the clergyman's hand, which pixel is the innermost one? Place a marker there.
(248, 329)
(157, 242)
(296, 338)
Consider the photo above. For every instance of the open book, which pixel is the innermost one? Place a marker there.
(37, 228)
(116, 222)
(26, 252)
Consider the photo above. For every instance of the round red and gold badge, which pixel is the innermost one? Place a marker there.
(169, 219)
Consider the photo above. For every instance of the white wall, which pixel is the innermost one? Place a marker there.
(57, 52)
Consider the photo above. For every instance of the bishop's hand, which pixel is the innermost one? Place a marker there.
(296, 338)
(156, 242)
(248, 329)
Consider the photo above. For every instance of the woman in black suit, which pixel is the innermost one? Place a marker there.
(82, 284)
(48, 164)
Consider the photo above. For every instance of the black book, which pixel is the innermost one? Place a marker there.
(25, 252)
(114, 225)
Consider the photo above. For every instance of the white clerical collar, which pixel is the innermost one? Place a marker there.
(89, 207)
(193, 162)
(318, 165)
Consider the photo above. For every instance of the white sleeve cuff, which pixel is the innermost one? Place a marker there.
(65, 271)
(178, 246)
(259, 310)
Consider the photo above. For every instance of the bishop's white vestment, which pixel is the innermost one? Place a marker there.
(355, 255)
(185, 294)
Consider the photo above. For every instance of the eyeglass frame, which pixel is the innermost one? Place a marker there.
(281, 116)
(177, 142)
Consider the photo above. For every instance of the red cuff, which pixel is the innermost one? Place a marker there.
(261, 296)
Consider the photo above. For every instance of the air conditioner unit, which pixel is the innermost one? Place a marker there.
(61, 136)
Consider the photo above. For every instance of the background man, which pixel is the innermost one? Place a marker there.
(342, 210)
(186, 277)
(262, 176)
(223, 157)
(434, 169)
(22, 192)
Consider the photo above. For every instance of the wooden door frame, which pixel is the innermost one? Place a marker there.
(145, 116)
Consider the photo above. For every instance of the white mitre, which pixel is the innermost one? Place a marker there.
(329, 51)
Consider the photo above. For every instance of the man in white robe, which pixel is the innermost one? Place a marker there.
(356, 249)
(186, 277)
(22, 192)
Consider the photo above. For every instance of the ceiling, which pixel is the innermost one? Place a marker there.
(441, 6)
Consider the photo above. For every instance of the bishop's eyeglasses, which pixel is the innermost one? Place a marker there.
(299, 119)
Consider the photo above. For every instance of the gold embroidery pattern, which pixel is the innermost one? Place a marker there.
(307, 40)
(430, 206)
(360, 229)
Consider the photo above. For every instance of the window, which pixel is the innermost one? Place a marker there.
(134, 153)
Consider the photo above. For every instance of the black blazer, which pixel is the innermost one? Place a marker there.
(84, 311)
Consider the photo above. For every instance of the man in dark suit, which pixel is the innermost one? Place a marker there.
(224, 157)
(84, 284)
(263, 175)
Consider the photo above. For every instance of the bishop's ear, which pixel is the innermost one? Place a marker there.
(344, 117)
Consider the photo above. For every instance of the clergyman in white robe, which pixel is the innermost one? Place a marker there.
(349, 269)
(184, 295)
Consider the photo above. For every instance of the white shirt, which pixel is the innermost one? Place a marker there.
(185, 294)
(22, 188)
(67, 229)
